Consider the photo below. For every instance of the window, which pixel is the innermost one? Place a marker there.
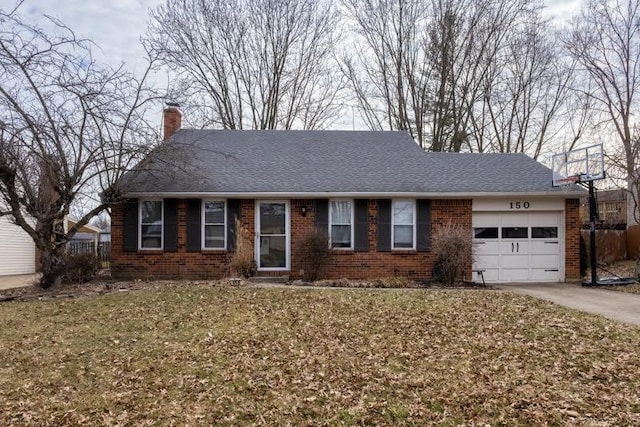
(544, 232)
(402, 219)
(151, 224)
(214, 224)
(485, 232)
(341, 221)
(515, 233)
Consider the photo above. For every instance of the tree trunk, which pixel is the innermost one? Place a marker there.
(52, 264)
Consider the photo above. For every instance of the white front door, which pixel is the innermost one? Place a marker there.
(518, 247)
(272, 236)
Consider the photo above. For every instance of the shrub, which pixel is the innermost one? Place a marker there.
(453, 247)
(315, 254)
(242, 261)
(79, 268)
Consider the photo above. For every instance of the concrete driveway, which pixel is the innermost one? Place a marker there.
(8, 282)
(615, 305)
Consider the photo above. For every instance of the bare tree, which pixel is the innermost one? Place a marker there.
(605, 40)
(69, 129)
(262, 64)
(424, 66)
(526, 92)
(388, 73)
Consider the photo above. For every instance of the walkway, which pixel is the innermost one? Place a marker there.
(615, 305)
(8, 282)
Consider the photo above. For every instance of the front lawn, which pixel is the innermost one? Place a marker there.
(625, 268)
(239, 356)
(631, 289)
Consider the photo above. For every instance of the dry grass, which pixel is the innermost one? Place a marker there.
(625, 268)
(631, 289)
(239, 356)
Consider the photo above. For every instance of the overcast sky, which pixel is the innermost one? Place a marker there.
(116, 25)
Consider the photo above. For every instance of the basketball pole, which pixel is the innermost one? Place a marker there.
(592, 233)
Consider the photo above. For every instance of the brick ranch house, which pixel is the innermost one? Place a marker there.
(378, 195)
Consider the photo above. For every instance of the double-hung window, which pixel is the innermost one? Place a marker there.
(214, 224)
(341, 223)
(403, 224)
(151, 224)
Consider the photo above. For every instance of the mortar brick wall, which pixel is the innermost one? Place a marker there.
(572, 243)
(214, 264)
(210, 264)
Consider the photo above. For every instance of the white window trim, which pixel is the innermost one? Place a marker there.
(414, 225)
(353, 208)
(140, 202)
(204, 225)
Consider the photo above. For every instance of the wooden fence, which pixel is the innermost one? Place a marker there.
(633, 242)
(611, 245)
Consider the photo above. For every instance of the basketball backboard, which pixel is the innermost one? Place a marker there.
(579, 165)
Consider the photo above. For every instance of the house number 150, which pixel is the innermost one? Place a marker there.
(519, 205)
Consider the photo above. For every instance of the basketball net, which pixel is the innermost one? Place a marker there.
(566, 184)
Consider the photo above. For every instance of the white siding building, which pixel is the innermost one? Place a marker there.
(17, 250)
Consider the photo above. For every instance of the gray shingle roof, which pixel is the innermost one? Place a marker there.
(235, 161)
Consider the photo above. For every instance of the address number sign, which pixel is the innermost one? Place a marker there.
(519, 205)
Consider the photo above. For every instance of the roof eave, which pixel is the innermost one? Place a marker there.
(363, 195)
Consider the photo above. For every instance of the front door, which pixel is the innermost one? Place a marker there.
(272, 238)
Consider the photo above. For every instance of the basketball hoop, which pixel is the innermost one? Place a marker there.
(566, 184)
(579, 165)
(582, 165)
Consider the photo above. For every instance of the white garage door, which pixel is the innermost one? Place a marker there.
(518, 247)
(17, 250)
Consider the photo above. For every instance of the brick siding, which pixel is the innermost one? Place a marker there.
(572, 243)
(212, 264)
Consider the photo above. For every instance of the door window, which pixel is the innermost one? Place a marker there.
(544, 232)
(485, 232)
(515, 232)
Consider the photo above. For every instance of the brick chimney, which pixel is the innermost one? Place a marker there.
(172, 120)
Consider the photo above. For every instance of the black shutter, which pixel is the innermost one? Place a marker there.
(233, 213)
(194, 227)
(171, 225)
(424, 225)
(322, 216)
(130, 226)
(384, 225)
(361, 232)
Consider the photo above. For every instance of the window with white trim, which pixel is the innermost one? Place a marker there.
(341, 224)
(214, 224)
(151, 230)
(403, 216)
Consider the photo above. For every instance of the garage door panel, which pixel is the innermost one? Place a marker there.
(544, 275)
(490, 275)
(514, 275)
(541, 247)
(545, 261)
(487, 261)
(528, 246)
(515, 261)
(514, 248)
(491, 247)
